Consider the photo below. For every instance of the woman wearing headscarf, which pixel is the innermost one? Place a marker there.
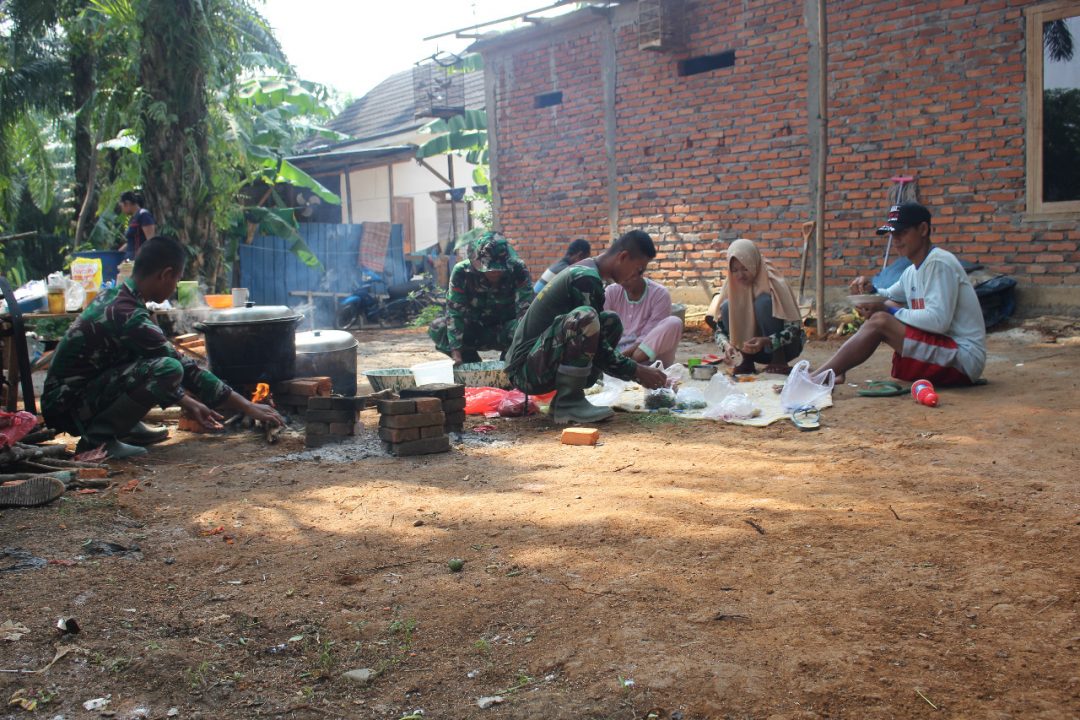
(488, 293)
(756, 313)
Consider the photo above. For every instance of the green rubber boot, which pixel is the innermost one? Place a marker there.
(110, 425)
(143, 434)
(569, 404)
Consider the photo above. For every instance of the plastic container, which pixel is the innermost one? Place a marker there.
(110, 261)
(923, 393)
(438, 371)
(219, 302)
(187, 293)
(57, 301)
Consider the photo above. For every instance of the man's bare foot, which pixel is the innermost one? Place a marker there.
(778, 369)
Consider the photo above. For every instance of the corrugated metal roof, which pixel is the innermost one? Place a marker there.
(389, 108)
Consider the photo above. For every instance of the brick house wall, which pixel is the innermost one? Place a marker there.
(931, 89)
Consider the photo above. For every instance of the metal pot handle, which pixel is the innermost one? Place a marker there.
(199, 327)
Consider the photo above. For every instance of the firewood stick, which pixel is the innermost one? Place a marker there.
(56, 464)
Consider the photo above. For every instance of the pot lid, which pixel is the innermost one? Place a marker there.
(252, 313)
(319, 341)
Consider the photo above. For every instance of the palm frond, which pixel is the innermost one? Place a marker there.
(1058, 41)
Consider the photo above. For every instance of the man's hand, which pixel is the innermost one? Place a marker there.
(650, 377)
(862, 286)
(455, 355)
(755, 345)
(867, 310)
(629, 352)
(200, 413)
(264, 414)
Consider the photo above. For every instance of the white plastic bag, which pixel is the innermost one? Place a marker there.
(720, 386)
(803, 390)
(735, 406)
(612, 389)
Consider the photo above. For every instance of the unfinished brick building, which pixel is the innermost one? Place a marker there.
(703, 134)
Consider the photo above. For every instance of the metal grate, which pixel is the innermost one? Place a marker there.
(660, 25)
(438, 87)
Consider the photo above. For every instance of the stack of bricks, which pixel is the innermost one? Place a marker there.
(413, 426)
(291, 396)
(452, 398)
(331, 419)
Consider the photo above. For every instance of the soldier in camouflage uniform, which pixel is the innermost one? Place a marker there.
(566, 340)
(488, 293)
(114, 364)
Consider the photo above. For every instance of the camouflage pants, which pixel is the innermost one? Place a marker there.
(573, 339)
(477, 336)
(71, 410)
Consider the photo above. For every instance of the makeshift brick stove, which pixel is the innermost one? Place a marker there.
(419, 423)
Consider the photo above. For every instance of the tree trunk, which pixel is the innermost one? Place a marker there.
(176, 169)
(83, 60)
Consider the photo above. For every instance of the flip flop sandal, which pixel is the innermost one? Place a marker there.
(807, 418)
(882, 388)
(31, 492)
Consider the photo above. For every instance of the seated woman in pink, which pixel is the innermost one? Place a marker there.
(755, 314)
(650, 332)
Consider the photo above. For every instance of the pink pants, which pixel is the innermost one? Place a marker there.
(661, 341)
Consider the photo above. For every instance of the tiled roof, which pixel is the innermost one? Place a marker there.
(389, 109)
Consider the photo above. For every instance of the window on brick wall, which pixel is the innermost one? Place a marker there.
(1053, 108)
(548, 99)
(706, 63)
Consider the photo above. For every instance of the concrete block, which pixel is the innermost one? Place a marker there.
(412, 421)
(395, 435)
(396, 407)
(425, 446)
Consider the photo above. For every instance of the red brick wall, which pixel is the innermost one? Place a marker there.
(931, 89)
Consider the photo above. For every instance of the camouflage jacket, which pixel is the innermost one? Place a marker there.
(117, 330)
(473, 300)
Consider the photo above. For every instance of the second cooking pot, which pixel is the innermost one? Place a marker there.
(331, 353)
(252, 344)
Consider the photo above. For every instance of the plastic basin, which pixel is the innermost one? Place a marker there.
(490, 373)
(219, 301)
(438, 371)
(390, 379)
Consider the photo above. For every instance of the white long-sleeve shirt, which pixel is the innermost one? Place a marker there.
(939, 298)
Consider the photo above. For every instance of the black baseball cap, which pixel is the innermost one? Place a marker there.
(904, 216)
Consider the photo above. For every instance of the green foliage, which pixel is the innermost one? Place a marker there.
(426, 316)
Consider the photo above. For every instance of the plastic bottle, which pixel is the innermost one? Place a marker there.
(923, 392)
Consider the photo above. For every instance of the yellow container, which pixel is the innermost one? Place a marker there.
(56, 301)
(91, 295)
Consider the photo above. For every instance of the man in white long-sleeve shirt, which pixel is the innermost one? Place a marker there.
(931, 317)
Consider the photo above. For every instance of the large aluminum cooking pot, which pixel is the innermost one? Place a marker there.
(329, 353)
(251, 344)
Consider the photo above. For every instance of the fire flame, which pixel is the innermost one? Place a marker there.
(262, 391)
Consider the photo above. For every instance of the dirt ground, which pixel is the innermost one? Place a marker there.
(902, 562)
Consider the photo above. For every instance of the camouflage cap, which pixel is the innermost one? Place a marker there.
(490, 251)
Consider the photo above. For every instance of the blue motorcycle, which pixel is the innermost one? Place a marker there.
(403, 302)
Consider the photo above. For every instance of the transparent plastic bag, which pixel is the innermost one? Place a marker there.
(660, 398)
(720, 386)
(736, 406)
(803, 390)
(612, 390)
(690, 398)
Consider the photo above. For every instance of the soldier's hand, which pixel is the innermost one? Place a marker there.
(650, 377)
(200, 413)
(455, 355)
(265, 414)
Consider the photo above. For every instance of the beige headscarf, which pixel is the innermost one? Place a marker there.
(741, 320)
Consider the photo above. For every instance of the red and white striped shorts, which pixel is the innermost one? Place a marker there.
(929, 356)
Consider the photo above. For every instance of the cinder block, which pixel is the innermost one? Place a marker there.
(332, 416)
(453, 405)
(432, 431)
(443, 391)
(393, 435)
(317, 428)
(425, 446)
(319, 403)
(429, 405)
(343, 429)
(412, 421)
(396, 407)
(580, 436)
(457, 418)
